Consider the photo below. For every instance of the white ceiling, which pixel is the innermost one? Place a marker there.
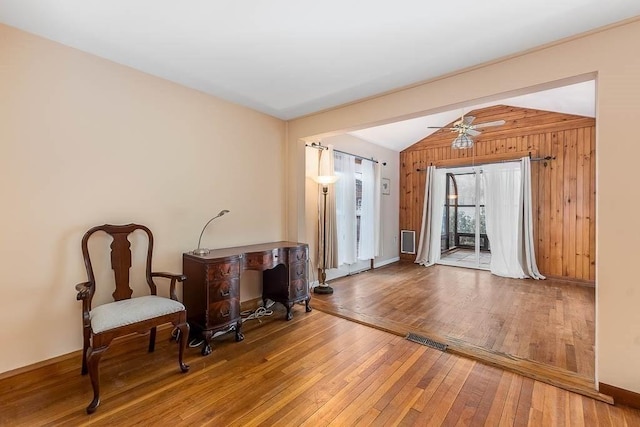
(289, 58)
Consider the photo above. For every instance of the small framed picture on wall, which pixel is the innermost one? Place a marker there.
(386, 186)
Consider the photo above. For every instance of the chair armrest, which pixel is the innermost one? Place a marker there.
(172, 286)
(84, 291)
(85, 294)
(178, 277)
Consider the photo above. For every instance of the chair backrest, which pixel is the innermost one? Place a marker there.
(120, 257)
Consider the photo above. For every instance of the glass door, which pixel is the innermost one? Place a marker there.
(359, 265)
(349, 209)
(464, 235)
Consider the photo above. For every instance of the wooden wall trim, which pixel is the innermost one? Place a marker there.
(74, 354)
(573, 281)
(47, 362)
(620, 395)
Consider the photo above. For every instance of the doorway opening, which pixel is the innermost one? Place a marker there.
(464, 241)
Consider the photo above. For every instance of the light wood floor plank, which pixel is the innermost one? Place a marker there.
(498, 401)
(315, 370)
(543, 329)
(529, 319)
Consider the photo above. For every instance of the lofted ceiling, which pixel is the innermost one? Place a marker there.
(578, 99)
(290, 58)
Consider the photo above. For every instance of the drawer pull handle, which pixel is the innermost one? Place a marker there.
(224, 292)
(299, 272)
(225, 314)
(226, 273)
(299, 256)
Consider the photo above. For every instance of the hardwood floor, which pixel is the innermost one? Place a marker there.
(545, 324)
(315, 370)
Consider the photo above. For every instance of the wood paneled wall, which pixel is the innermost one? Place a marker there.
(563, 188)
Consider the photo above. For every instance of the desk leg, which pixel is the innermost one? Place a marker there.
(206, 347)
(239, 334)
(307, 305)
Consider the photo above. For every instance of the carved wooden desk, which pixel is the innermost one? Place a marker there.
(212, 289)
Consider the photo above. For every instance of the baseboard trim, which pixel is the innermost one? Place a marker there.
(71, 355)
(573, 281)
(621, 395)
(386, 262)
(42, 363)
(251, 304)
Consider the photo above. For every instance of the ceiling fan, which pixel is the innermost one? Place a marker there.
(467, 131)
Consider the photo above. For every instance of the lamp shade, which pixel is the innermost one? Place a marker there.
(462, 141)
(325, 179)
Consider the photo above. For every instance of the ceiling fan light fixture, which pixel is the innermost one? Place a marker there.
(462, 141)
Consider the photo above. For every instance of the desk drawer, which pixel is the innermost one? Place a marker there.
(223, 270)
(224, 289)
(261, 261)
(298, 270)
(223, 311)
(298, 254)
(298, 289)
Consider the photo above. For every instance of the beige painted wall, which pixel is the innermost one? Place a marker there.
(613, 56)
(84, 141)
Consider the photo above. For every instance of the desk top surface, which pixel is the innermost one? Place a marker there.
(241, 250)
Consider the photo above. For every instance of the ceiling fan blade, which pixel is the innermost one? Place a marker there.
(440, 127)
(487, 124)
(467, 120)
(473, 132)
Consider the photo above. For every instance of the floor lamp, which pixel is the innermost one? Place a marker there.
(324, 180)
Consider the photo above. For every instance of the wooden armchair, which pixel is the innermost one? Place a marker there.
(126, 314)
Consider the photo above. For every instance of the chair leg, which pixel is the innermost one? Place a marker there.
(152, 340)
(93, 360)
(85, 347)
(182, 343)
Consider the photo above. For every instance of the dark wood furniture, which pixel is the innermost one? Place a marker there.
(125, 315)
(212, 288)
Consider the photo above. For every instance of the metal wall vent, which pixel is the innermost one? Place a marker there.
(407, 242)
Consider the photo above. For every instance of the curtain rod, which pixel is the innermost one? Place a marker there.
(319, 146)
(533, 159)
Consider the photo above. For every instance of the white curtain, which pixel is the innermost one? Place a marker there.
(366, 245)
(502, 184)
(326, 167)
(507, 189)
(377, 209)
(529, 260)
(431, 229)
(345, 189)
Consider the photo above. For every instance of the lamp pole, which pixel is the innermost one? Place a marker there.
(324, 288)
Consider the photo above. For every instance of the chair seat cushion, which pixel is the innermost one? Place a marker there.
(129, 311)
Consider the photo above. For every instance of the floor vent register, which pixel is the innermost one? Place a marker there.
(426, 341)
